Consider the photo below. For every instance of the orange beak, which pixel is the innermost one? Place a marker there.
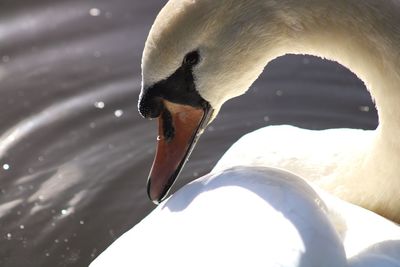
(179, 128)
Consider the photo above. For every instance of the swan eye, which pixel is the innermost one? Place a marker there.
(191, 58)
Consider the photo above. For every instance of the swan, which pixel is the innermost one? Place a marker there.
(201, 53)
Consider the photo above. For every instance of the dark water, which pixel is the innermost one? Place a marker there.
(74, 153)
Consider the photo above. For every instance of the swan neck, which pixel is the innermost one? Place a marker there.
(364, 37)
(361, 35)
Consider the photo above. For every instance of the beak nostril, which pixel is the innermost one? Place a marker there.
(150, 107)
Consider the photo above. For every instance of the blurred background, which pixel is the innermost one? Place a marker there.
(74, 152)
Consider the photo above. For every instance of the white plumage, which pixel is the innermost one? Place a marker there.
(261, 216)
(236, 39)
(255, 216)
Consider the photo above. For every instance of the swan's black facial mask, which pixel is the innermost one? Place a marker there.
(182, 114)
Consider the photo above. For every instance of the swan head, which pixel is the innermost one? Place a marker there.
(198, 55)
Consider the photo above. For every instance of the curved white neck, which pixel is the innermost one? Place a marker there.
(364, 36)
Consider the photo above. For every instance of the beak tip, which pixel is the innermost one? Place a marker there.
(156, 202)
(155, 198)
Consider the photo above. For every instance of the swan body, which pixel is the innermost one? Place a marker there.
(316, 155)
(256, 216)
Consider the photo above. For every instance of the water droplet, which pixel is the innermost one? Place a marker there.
(21, 227)
(6, 166)
(56, 241)
(211, 129)
(47, 254)
(364, 108)
(99, 104)
(66, 240)
(118, 113)
(82, 222)
(94, 12)
(279, 92)
(40, 158)
(63, 212)
(158, 138)
(41, 198)
(92, 125)
(9, 236)
(266, 118)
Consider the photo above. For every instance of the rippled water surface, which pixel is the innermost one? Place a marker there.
(74, 153)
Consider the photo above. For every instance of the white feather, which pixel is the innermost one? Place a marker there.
(255, 216)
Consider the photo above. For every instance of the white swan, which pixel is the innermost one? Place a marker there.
(200, 53)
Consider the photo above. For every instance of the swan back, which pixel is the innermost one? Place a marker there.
(255, 216)
(238, 217)
(348, 163)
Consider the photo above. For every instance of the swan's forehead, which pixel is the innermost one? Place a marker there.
(179, 28)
